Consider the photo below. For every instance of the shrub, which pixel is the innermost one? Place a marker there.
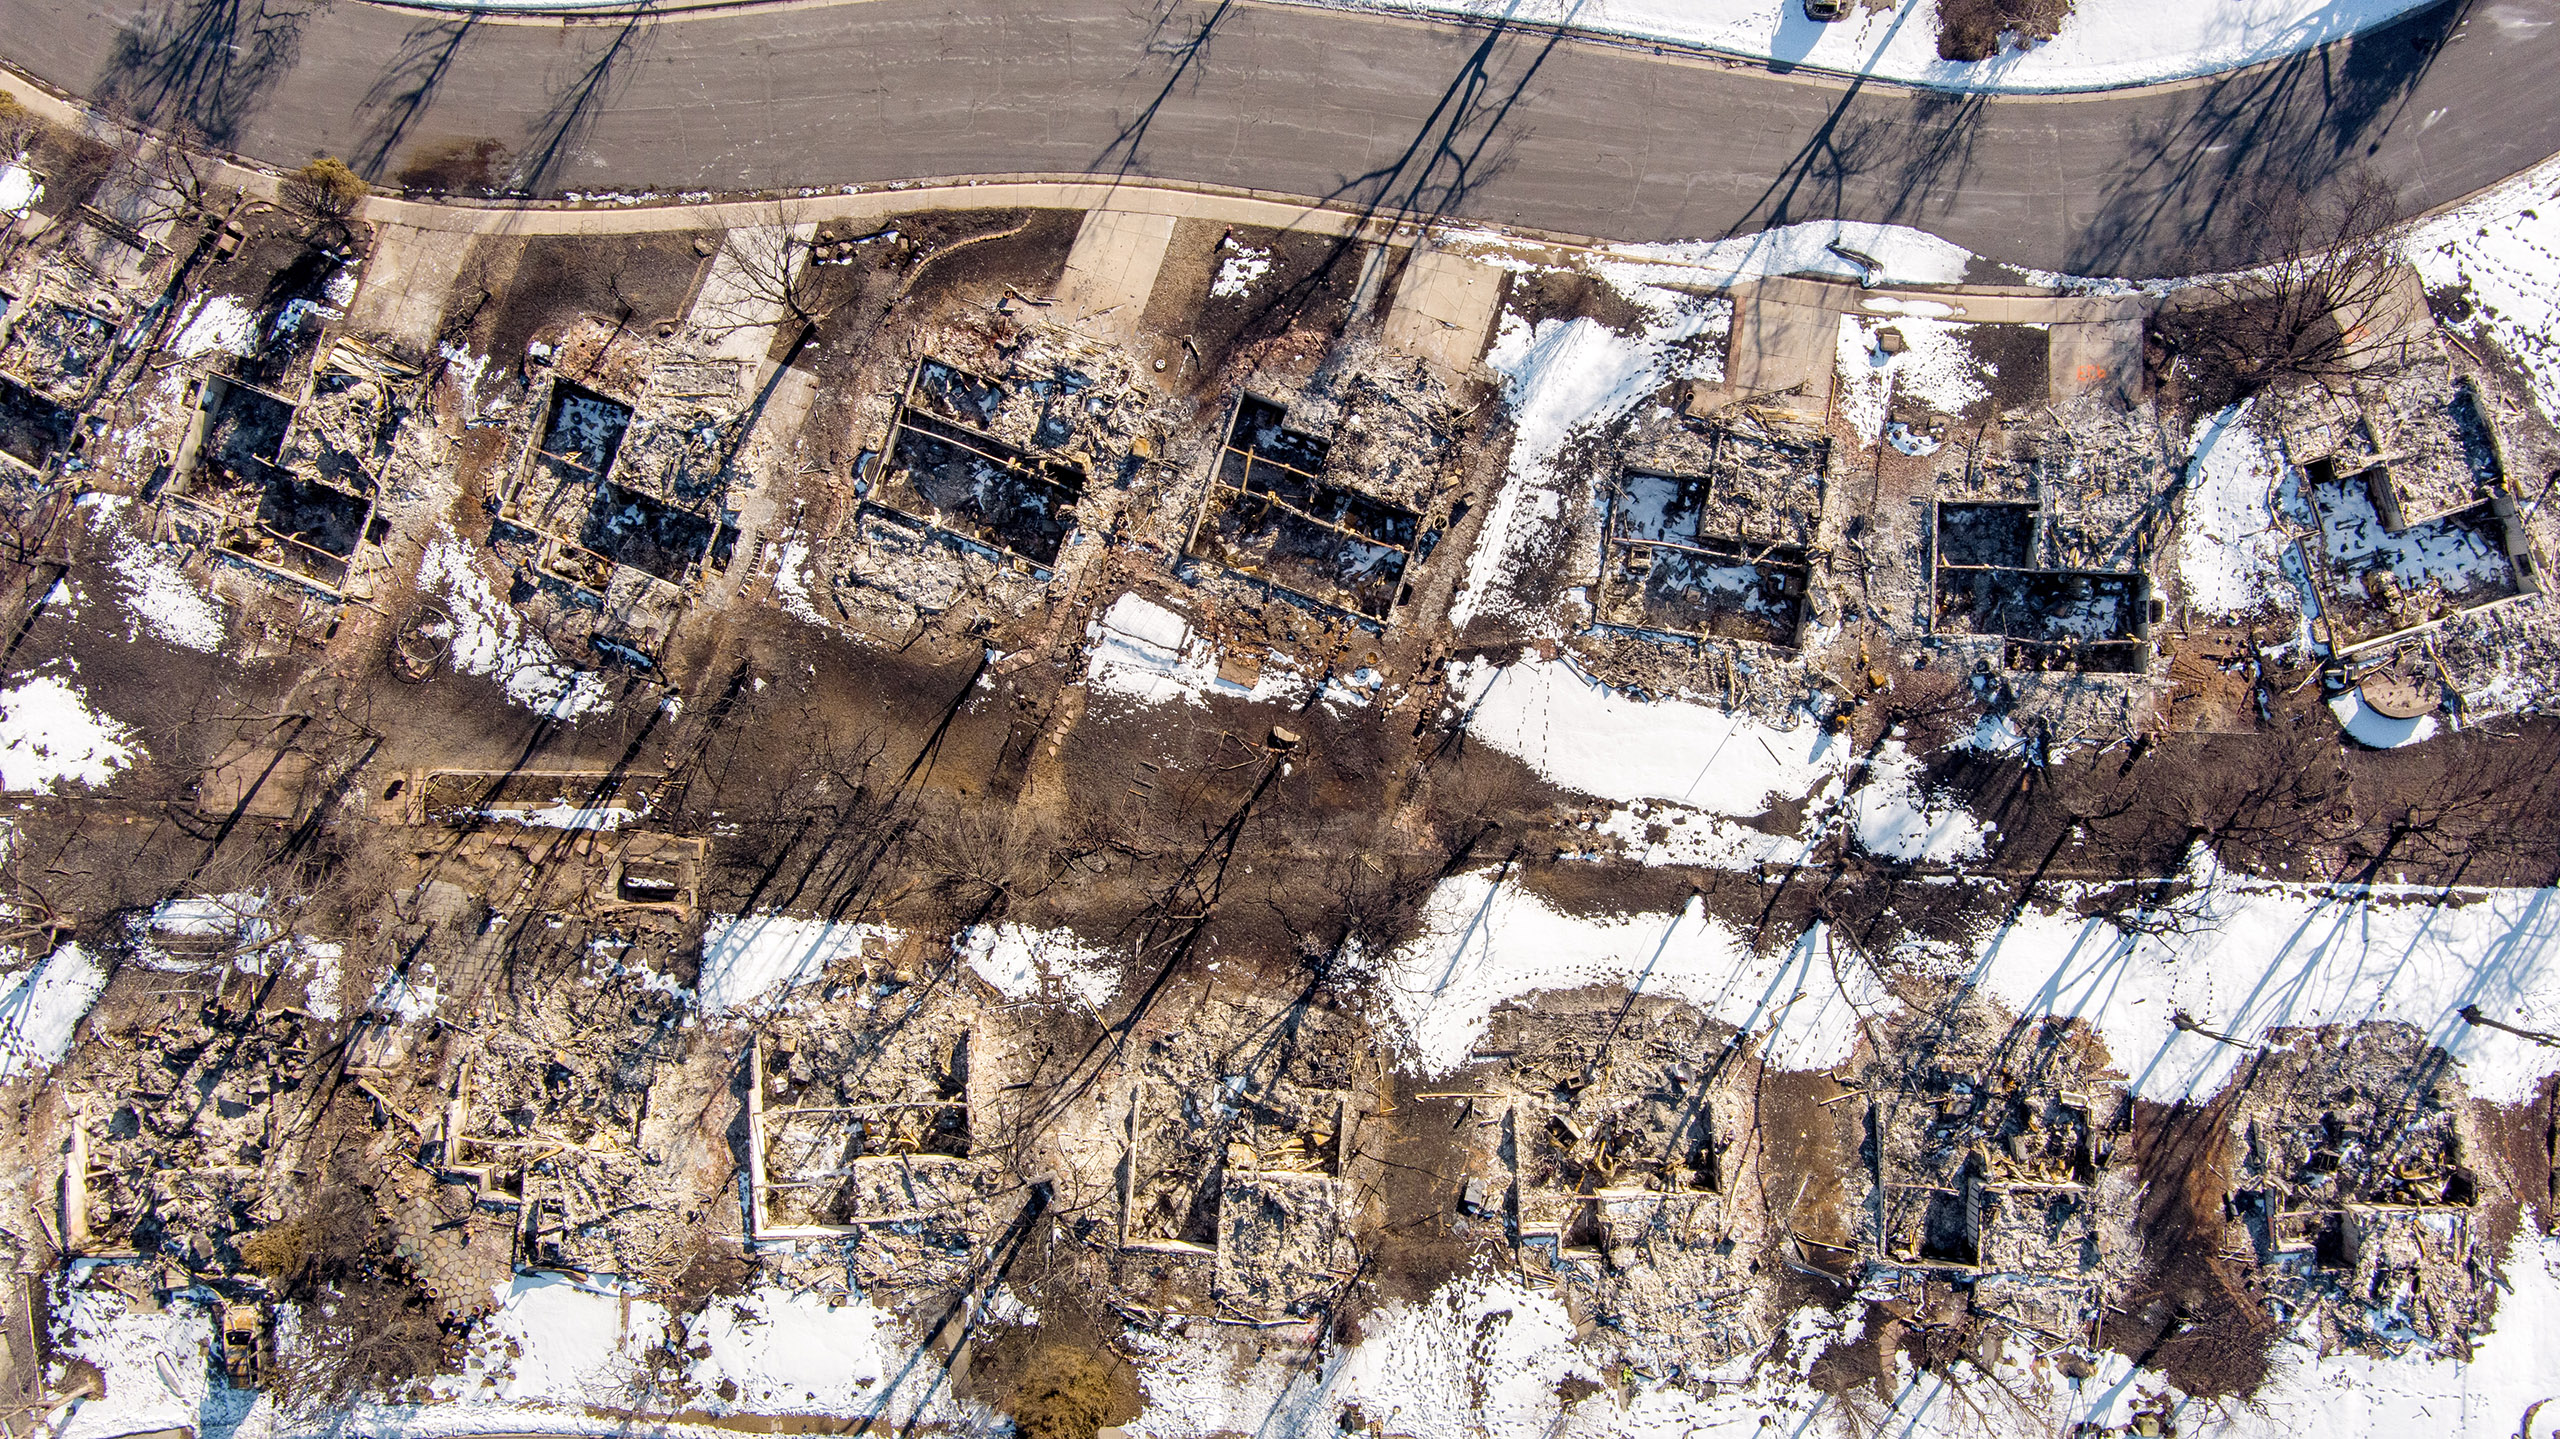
(1062, 1394)
(326, 188)
(279, 1251)
(17, 125)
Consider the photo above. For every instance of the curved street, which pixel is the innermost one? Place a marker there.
(1446, 121)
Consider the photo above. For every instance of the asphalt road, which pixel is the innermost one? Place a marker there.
(1503, 127)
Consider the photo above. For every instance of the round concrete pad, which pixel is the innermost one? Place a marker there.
(2400, 696)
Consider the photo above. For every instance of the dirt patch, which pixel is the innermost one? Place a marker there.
(454, 167)
(1569, 295)
(963, 252)
(1589, 890)
(637, 282)
(2187, 1314)
(1809, 1126)
(2019, 360)
(1226, 290)
(73, 166)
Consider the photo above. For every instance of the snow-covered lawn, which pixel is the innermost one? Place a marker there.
(2504, 250)
(41, 1008)
(2105, 43)
(489, 637)
(2257, 960)
(1018, 962)
(1485, 940)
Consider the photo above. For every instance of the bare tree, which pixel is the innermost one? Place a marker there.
(156, 178)
(767, 275)
(2327, 307)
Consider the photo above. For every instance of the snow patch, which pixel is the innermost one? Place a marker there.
(1489, 1337)
(50, 736)
(1936, 368)
(1901, 256)
(556, 1339)
(780, 1352)
(791, 580)
(2103, 44)
(1018, 961)
(2244, 957)
(2505, 249)
(1585, 736)
(163, 599)
(2230, 550)
(488, 638)
(750, 961)
(19, 190)
(1893, 819)
(407, 997)
(1240, 268)
(1143, 651)
(155, 1364)
(41, 1009)
(560, 814)
(1560, 378)
(215, 324)
(2372, 728)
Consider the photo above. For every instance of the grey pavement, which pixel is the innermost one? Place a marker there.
(1511, 127)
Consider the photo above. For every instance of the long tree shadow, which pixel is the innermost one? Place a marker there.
(1814, 182)
(564, 126)
(1190, 56)
(406, 88)
(2307, 124)
(207, 63)
(1463, 144)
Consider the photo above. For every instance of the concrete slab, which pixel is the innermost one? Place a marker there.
(2099, 358)
(2391, 325)
(1112, 269)
(406, 283)
(741, 300)
(1444, 309)
(1781, 352)
(787, 397)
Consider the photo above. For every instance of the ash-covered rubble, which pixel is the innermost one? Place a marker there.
(2043, 541)
(1634, 1189)
(2408, 517)
(993, 474)
(1993, 1171)
(2356, 1187)
(1329, 488)
(290, 489)
(1241, 1187)
(1710, 532)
